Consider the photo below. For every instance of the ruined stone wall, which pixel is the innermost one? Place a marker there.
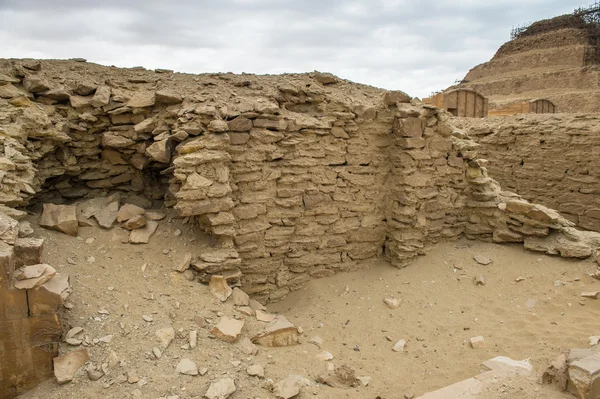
(549, 159)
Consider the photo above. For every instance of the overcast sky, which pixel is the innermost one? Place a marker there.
(414, 45)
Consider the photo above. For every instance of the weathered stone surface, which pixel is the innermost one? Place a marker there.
(290, 386)
(394, 97)
(219, 288)
(67, 365)
(227, 329)
(142, 99)
(136, 222)
(160, 151)
(240, 298)
(60, 217)
(9, 229)
(167, 97)
(35, 84)
(101, 97)
(166, 336)
(128, 211)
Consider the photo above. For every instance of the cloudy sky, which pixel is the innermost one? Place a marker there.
(414, 45)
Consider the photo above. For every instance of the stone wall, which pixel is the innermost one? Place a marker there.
(551, 160)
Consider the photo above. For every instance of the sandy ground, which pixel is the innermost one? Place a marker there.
(441, 309)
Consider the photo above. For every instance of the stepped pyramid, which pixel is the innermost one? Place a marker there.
(556, 59)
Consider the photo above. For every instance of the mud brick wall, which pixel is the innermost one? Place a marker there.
(551, 160)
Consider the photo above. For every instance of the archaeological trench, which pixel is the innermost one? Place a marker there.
(295, 177)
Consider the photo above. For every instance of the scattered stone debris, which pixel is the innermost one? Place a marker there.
(166, 336)
(66, 366)
(256, 370)
(477, 342)
(342, 376)
(482, 260)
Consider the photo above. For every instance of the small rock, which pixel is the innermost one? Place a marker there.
(281, 333)
(246, 310)
(26, 284)
(479, 280)
(289, 387)
(316, 340)
(156, 352)
(107, 216)
(142, 236)
(94, 374)
(147, 318)
(66, 366)
(220, 389)
(593, 295)
(248, 347)
(132, 377)
(482, 260)
(129, 211)
(184, 264)
(166, 336)
(399, 346)
(519, 279)
(594, 340)
(219, 288)
(256, 370)
(409, 395)
(392, 303)
(477, 342)
(255, 305)
(193, 338)
(187, 367)
(227, 329)
(365, 381)
(136, 222)
(324, 356)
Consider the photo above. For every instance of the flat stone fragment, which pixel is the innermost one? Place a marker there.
(265, 317)
(27, 272)
(247, 346)
(187, 367)
(477, 342)
(227, 329)
(62, 218)
(30, 283)
(193, 339)
(107, 215)
(240, 298)
(219, 288)
(281, 333)
(67, 365)
(324, 356)
(184, 264)
(220, 389)
(482, 260)
(142, 236)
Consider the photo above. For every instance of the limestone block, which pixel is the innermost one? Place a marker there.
(28, 251)
(60, 217)
(585, 376)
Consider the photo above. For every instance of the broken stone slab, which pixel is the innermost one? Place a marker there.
(280, 333)
(228, 330)
(592, 294)
(136, 222)
(557, 373)
(27, 284)
(290, 386)
(167, 97)
(62, 218)
(160, 151)
(187, 367)
(220, 389)
(324, 356)
(47, 298)
(219, 288)
(108, 215)
(247, 346)
(9, 229)
(240, 298)
(155, 215)
(142, 236)
(482, 260)
(66, 366)
(585, 376)
(28, 272)
(128, 211)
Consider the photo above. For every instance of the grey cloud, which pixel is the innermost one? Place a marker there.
(397, 44)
